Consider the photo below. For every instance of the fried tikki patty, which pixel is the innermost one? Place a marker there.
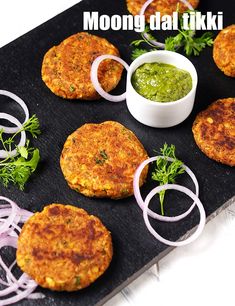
(165, 7)
(214, 131)
(66, 67)
(63, 248)
(99, 160)
(224, 51)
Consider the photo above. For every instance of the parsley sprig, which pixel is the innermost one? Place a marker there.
(167, 171)
(18, 169)
(136, 43)
(189, 43)
(185, 39)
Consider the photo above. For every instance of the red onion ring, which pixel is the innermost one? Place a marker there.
(4, 153)
(196, 201)
(12, 130)
(140, 200)
(144, 7)
(15, 215)
(7, 222)
(12, 242)
(24, 286)
(95, 81)
(155, 43)
(146, 36)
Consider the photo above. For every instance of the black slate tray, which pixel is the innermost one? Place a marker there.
(134, 247)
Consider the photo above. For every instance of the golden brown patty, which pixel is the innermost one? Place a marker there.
(214, 131)
(66, 67)
(224, 51)
(165, 7)
(99, 160)
(64, 248)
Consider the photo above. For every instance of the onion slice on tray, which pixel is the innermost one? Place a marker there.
(4, 153)
(148, 212)
(13, 214)
(140, 200)
(12, 130)
(10, 216)
(22, 287)
(196, 201)
(156, 43)
(95, 81)
(146, 36)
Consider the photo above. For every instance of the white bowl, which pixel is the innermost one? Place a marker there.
(161, 114)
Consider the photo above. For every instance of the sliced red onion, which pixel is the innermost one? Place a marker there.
(23, 282)
(9, 276)
(11, 216)
(155, 43)
(146, 35)
(144, 7)
(140, 200)
(196, 200)
(95, 81)
(12, 130)
(24, 286)
(12, 242)
(36, 296)
(4, 153)
(20, 294)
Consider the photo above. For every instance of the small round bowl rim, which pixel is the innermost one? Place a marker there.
(169, 53)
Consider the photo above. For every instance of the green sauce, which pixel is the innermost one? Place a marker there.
(161, 82)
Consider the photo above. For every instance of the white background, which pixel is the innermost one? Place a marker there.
(20, 16)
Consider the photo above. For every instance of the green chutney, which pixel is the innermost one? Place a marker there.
(161, 82)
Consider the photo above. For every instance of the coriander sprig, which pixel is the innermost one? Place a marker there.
(18, 169)
(190, 44)
(137, 52)
(166, 171)
(32, 126)
(184, 39)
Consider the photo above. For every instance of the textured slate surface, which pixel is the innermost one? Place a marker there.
(134, 247)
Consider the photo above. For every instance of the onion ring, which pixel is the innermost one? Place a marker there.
(196, 201)
(12, 130)
(140, 200)
(11, 216)
(95, 81)
(155, 43)
(12, 242)
(24, 286)
(4, 153)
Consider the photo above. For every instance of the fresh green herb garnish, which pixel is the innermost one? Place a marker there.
(32, 126)
(137, 52)
(185, 39)
(136, 43)
(167, 171)
(18, 169)
(190, 44)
